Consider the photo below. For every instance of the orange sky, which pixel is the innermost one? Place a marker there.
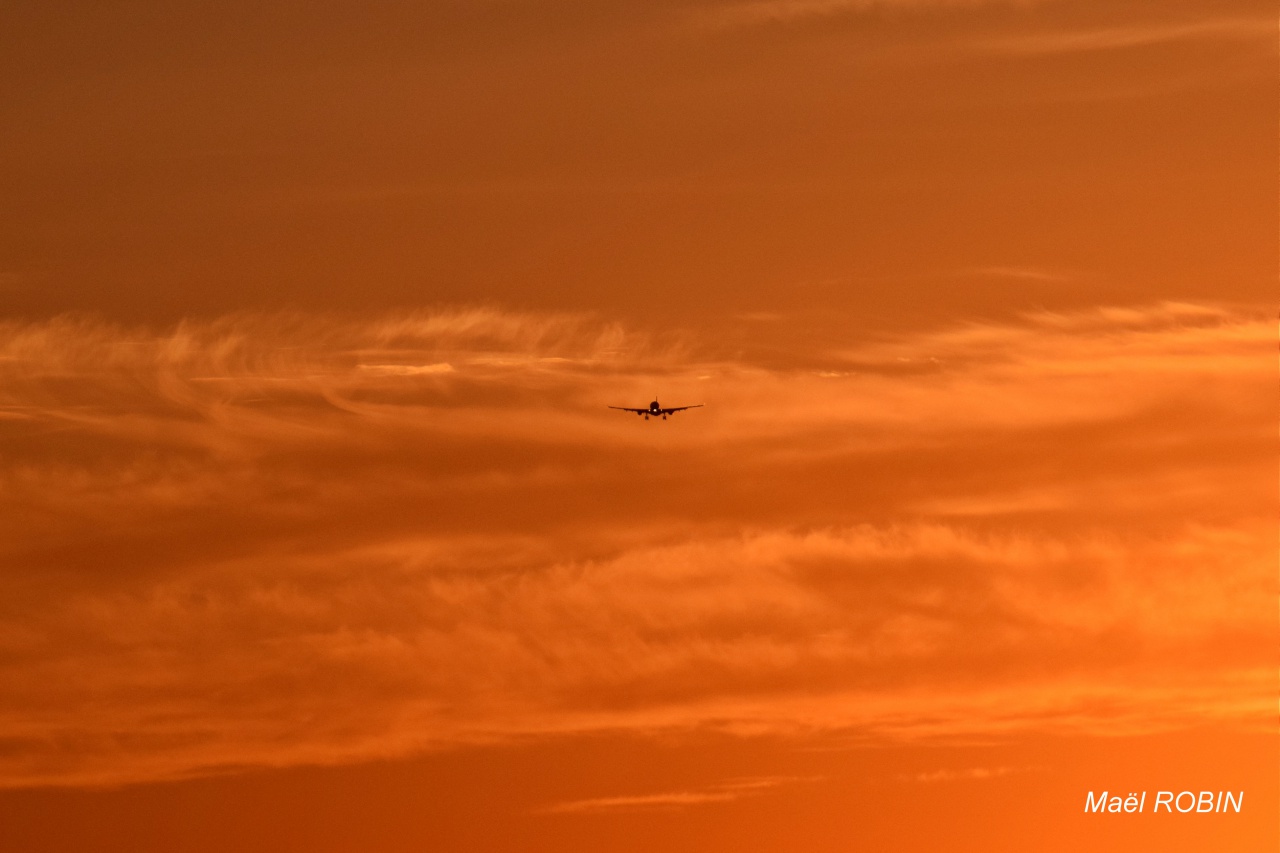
(315, 532)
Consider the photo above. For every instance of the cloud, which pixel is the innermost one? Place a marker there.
(1119, 36)
(724, 792)
(234, 544)
(409, 369)
(1024, 273)
(1143, 35)
(947, 775)
(764, 12)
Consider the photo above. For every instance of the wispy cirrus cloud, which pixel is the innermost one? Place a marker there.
(968, 773)
(761, 12)
(235, 544)
(1228, 29)
(1034, 274)
(725, 792)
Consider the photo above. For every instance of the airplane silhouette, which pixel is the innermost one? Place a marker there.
(656, 410)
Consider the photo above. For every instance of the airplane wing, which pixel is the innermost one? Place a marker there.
(625, 409)
(675, 409)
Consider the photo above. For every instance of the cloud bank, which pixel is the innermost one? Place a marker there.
(274, 540)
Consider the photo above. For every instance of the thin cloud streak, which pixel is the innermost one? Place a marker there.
(725, 792)
(969, 773)
(1024, 273)
(766, 12)
(1121, 38)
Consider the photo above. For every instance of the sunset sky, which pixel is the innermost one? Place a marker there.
(316, 532)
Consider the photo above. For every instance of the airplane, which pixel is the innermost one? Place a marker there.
(655, 410)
